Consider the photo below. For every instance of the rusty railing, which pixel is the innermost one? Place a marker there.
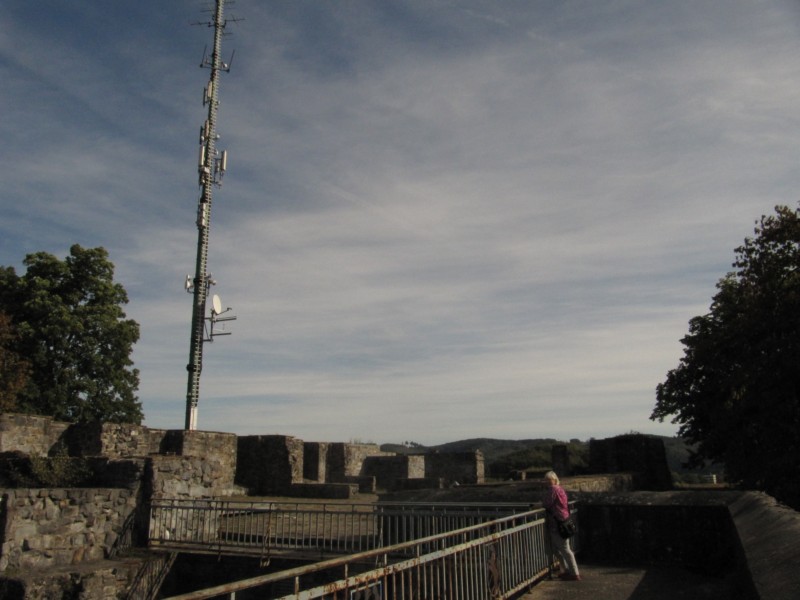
(495, 559)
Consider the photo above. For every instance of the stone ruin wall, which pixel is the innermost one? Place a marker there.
(388, 470)
(635, 453)
(49, 527)
(199, 464)
(455, 467)
(112, 440)
(52, 527)
(315, 461)
(347, 460)
(269, 464)
(41, 528)
(29, 434)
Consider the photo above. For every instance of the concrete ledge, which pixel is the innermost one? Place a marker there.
(746, 536)
(770, 537)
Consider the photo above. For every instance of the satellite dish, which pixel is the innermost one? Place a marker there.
(216, 303)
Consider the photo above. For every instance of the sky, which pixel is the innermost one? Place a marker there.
(441, 219)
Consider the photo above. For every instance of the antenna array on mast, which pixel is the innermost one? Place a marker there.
(211, 167)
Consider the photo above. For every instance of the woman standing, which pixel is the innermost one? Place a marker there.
(555, 502)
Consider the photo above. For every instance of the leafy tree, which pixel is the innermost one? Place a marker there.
(14, 370)
(72, 330)
(735, 392)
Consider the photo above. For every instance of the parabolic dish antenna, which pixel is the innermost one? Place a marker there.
(216, 304)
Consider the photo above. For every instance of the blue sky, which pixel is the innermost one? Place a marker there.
(441, 219)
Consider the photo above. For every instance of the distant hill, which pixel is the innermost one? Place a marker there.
(491, 448)
(501, 456)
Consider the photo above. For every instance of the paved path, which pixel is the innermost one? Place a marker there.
(632, 583)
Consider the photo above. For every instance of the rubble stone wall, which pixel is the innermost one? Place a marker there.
(269, 464)
(188, 477)
(112, 440)
(347, 460)
(315, 461)
(387, 470)
(634, 453)
(29, 434)
(52, 527)
(452, 467)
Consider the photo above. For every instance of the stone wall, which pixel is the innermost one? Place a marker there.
(559, 459)
(105, 582)
(633, 453)
(29, 434)
(658, 528)
(347, 460)
(269, 464)
(112, 440)
(769, 535)
(315, 461)
(455, 467)
(387, 470)
(747, 537)
(188, 477)
(44, 528)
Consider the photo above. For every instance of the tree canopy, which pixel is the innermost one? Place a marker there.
(70, 332)
(735, 391)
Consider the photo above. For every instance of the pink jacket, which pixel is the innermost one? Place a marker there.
(555, 501)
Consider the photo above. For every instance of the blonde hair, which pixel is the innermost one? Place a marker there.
(552, 476)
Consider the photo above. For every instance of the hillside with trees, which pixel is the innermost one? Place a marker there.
(501, 457)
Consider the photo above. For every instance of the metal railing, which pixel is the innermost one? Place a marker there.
(151, 575)
(267, 528)
(493, 560)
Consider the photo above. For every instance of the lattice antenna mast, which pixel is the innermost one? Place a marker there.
(211, 168)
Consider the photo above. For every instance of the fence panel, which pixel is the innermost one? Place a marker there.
(495, 559)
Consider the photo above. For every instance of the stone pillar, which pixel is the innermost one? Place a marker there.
(560, 460)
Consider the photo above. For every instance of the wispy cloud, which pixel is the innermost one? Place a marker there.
(441, 220)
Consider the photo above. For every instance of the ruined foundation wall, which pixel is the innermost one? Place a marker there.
(315, 461)
(347, 460)
(387, 470)
(29, 434)
(112, 440)
(199, 464)
(52, 527)
(269, 464)
(640, 454)
(452, 467)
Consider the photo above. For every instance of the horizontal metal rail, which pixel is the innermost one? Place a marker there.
(493, 560)
(267, 528)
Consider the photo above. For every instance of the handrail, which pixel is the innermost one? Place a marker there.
(265, 527)
(494, 560)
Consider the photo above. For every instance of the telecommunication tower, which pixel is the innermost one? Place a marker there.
(211, 168)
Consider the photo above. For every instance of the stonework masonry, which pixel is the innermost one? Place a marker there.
(387, 470)
(29, 434)
(347, 460)
(42, 530)
(456, 467)
(632, 453)
(269, 464)
(315, 460)
(112, 440)
(50, 527)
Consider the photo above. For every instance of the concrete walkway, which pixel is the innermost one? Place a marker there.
(632, 583)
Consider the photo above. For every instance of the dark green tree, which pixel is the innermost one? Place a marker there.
(735, 392)
(14, 371)
(71, 329)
